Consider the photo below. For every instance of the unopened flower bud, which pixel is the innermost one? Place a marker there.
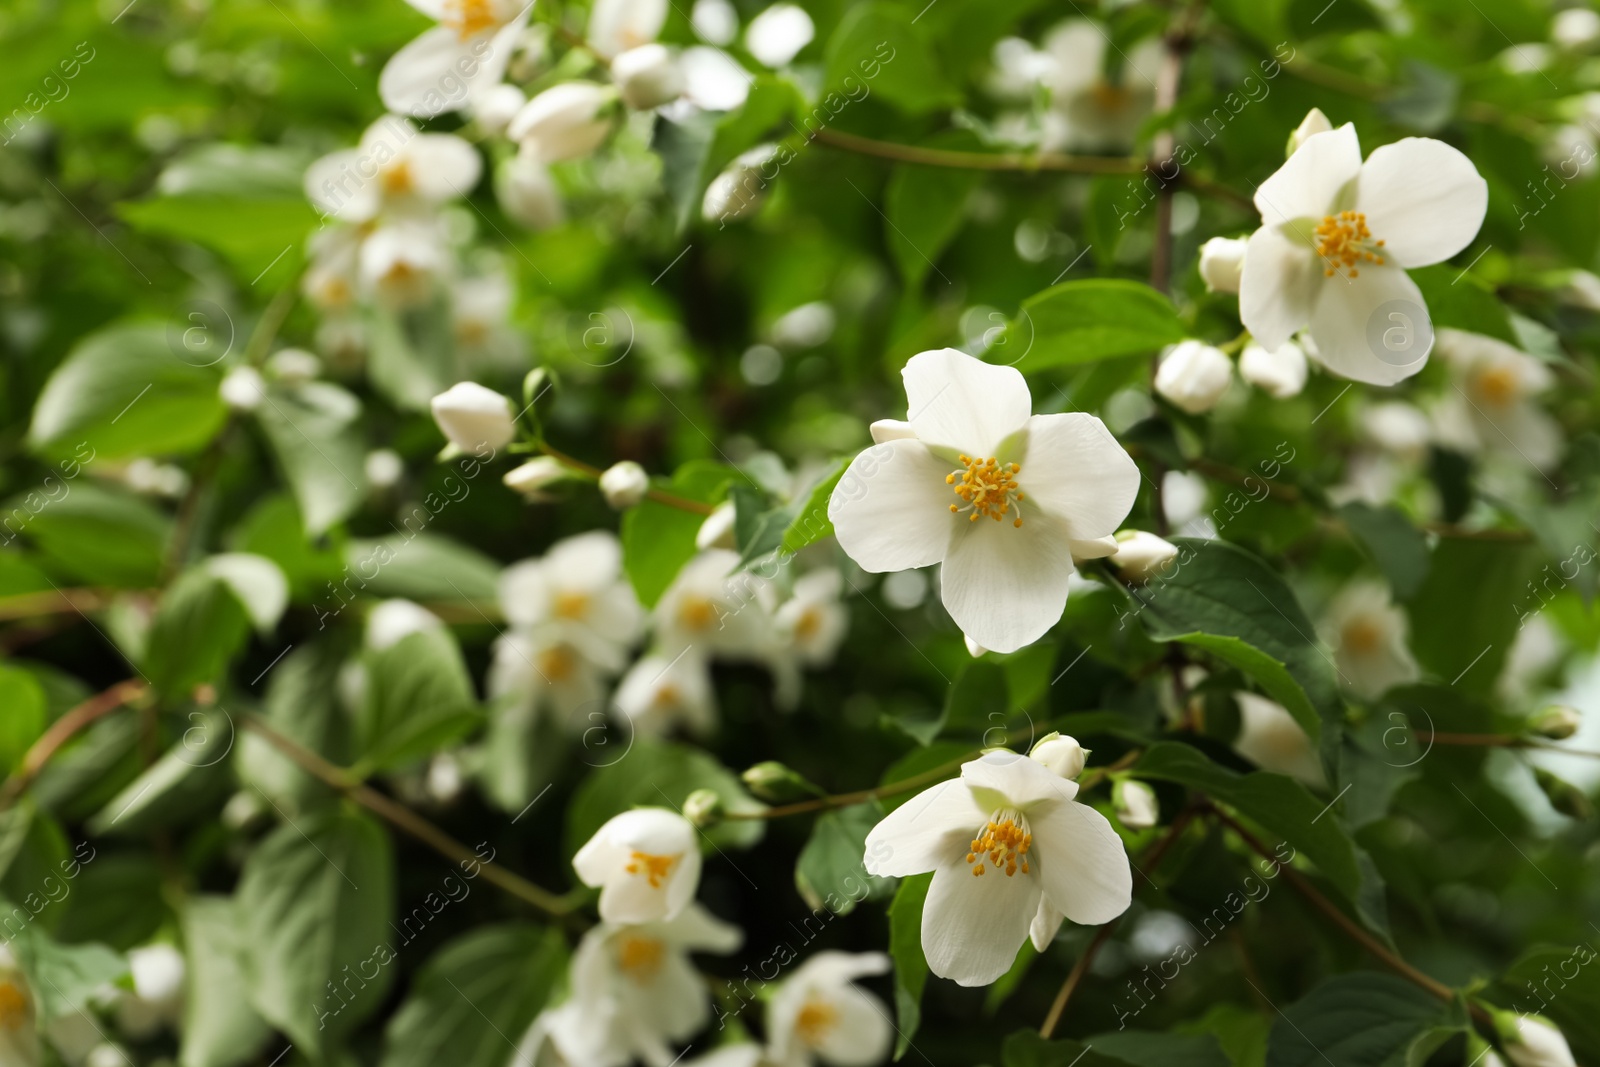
(243, 389)
(1557, 722)
(1061, 754)
(1314, 123)
(471, 416)
(703, 808)
(1280, 373)
(775, 782)
(1141, 556)
(1193, 376)
(1222, 263)
(531, 478)
(624, 484)
(1565, 797)
(1135, 804)
(647, 77)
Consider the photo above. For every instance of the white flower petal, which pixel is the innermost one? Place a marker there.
(861, 1031)
(417, 78)
(1309, 183)
(1006, 585)
(1081, 862)
(1046, 924)
(444, 166)
(1006, 779)
(931, 828)
(335, 187)
(890, 430)
(1075, 470)
(1278, 287)
(973, 926)
(891, 509)
(1423, 198)
(963, 404)
(1373, 328)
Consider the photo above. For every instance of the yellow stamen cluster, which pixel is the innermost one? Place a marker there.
(1343, 241)
(470, 17)
(696, 612)
(1496, 386)
(1361, 636)
(556, 664)
(397, 180)
(14, 1009)
(640, 957)
(573, 606)
(1005, 844)
(988, 488)
(654, 868)
(815, 1019)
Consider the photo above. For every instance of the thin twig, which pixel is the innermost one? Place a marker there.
(63, 730)
(699, 507)
(53, 602)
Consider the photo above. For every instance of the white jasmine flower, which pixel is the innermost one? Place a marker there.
(1102, 115)
(812, 621)
(1270, 738)
(465, 54)
(1369, 639)
(646, 863)
(776, 35)
(1141, 555)
(742, 187)
(394, 166)
(1280, 373)
(714, 80)
(19, 1036)
(1046, 481)
(1193, 376)
(616, 26)
(530, 479)
(294, 366)
(1006, 842)
(472, 416)
(547, 672)
(566, 121)
(1577, 29)
(573, 1035)
(392, 621)
(658, 694)
(1536, 1042)
(1398, 428)
(624, 484)
(1061, 754)
(1314, 123)
(156, 1002)
(334, 272)
(403, 261)
(243, 389)
(647, 77)
(1017, 69)
(1222, 263)
(577, 586)
(527, 193)
(1336, 237)
(1494, 406)
(715, 21)
(644, 973)
(445, 779)
(716, 610)
(819, 1014)
(1135, 804)
(384, 468)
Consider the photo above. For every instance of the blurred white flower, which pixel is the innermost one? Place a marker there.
(806, 326)
(1134, 804)
(566, 121)
(812, 621)
(1493, 406)
(472, 416)
(616, 26)
(395, 167)
(546, 672)
(1017, 69)
(294, 366)
(19, 1036)
(646, 863)
(659, 694)
(1280, 373)
(718, 609)
(1270, 738)
(1102, 115)
(1536, 1042)
(573, 1035)
(243, 388)
(1368, 634)
(717, 529)
(1007, 843)
(1577, 29)
(480, 307)
(334, 272)
(430, 75)
(647, 77)
(819, 1014)
(156, 1001)
(1336, 238)
(715, 21)
(1222, 263)
(778, 34)
(1044, 481)
(624, 484)
(532, 478)
(714, 80)
(1194, 376)
(384, 468)
(527, 193)
(578, 587)
(1399, 428)
(145, 475)
(494, 108)
(403, 261)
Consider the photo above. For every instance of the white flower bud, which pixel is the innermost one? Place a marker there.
(717, 530)
(444, 780)
(243, 389)
(1222, 263)
(740, 189)
(1314, 123)
(472, 416)
(532, 477)
(1193, 376)
(566, 121)
(392, 621)
(1280, 373)
(715, 21)
(1141, 556)
(1557, 722)
(384, 468)
(1575, 29)
(703, 807)
(624, 484)
(975, 650)
(294, 366)
(615, 26)
(777, 34)
(1135, 804)
(647, 77)
(495, 107)
(527, 193)
(1534, 1041)
(1061, 754)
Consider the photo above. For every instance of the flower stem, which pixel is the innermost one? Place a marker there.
(65, 729)
(671, 500)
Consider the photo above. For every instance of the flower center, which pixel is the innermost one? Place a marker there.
(557, 664)
(696, 612)
(815, 1020)
(667, 696)
(987, 488)
(640, 957)
(572, 606)
(807, 625)
(1109, 97)
(1496, 386)
(1343, 242)
(1004, 842)
(397, 180)
(1362, 636)
(469, 17)
(13, 1007)
(654, 868)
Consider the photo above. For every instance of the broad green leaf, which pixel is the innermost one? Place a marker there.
(905, 948)
(410, 355)
(1146, 1048)
(256, 172)
(321, 454)
(659, 774)
(422, 566)
(220, 1029)
(99, 536)
(116, 898)
(976, 706)
(1396, 546)
(1469, 609)
(198, 627)
(1355, 1020)
(32, 847)
(924, 208)
(189, 780)
(22, 715)
(83, 777)
(129, 390)
(658, 539)
(1561, 983)
(1460, 301)
(419, 697)
(255, 235)
(758, 529)
(1087, 321)
(316, 896)
(479, 991)
(876, 49)
(810, 523)
(1026, 1048)
(829, 871)
(695, 148)
(302, 703)
(62, 978)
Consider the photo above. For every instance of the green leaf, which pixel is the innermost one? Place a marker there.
(423, 566)
(322, 455)
(63, 978)
(475, 994)
(1086, 321)
(658, 539)
(905, 948)
(1460, 301)
(1470, 607)
(1144, 1048)
(924, 208)
(1283, 806)
(977, 703)
(695, 149)
(757, 528)
(255, 235)
(1355, 1020)
(811, 523)
(183, 785)
(127, 391)
(829, 871)
(1026, 1048)
(22, 715)
(1560, 983)
(316, 897)
(1397, 547)
(660, 774)
(100, 536)
(419, 697)
(220, 1029)
(876, 49)
(198, 627)
(302, 703)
